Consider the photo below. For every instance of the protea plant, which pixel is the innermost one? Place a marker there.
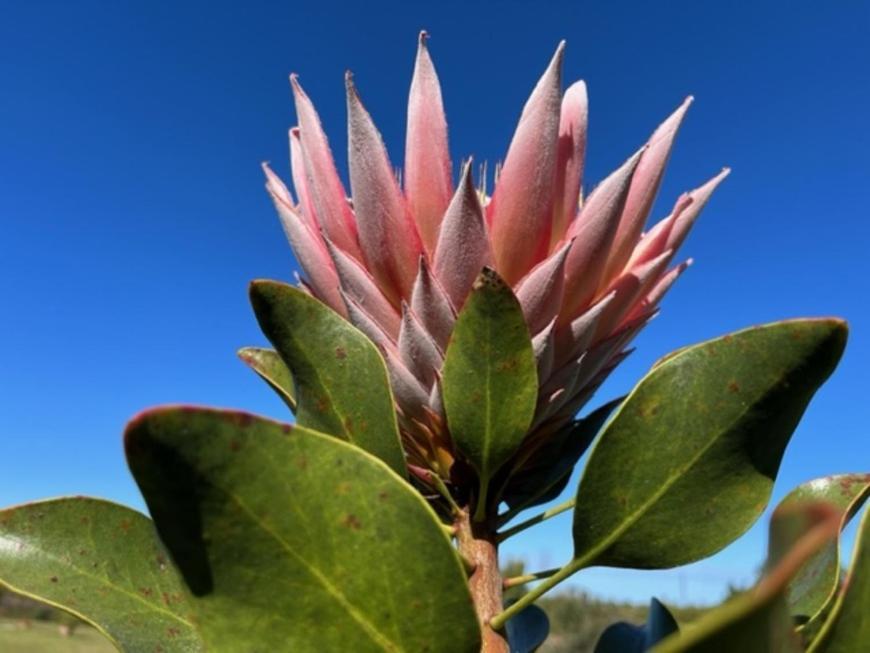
(436, 354)
(400, 256)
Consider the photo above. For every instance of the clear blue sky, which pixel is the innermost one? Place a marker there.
(133, 213)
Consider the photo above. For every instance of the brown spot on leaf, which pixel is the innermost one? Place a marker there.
(383, 495)
(340, 353)
(173, 632)
(126, 525)
(53, 579)
(235, 445)
(242, 420)
(343, 488)
(146, 591)
(733, 387)
(352, 522)
(508, 365)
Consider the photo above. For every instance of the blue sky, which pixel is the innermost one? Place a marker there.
(133, 213)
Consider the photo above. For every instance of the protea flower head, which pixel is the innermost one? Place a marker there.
(399, 259)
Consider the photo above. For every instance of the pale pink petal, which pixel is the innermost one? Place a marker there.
(300, 181)
(436, 399)
(562, 377)
(277, 189)
(593, 232)
(328, 194)
(359, 284)
(307, 245)
(360, 318)
(658, 291)
(629, 287)
(428, 183)
(655, 241)
(644, 186)
(575, 339)
(544, 347)
(572, 404)
(419, 352)
(520, 211)
(540, 291)
(431, 306)
(463, 243)
(411, 397)
(387, 234)
(700, 197)
(570, 156)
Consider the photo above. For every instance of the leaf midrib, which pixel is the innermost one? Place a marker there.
(101, 580)
(369, 628)
(633, 517)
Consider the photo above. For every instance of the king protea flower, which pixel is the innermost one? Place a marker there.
(399, 259)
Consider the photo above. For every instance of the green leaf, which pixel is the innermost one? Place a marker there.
(292, 540)
(758, 621)
(697, 444)
(848, 628)
(812, 592)
(623, 637)
(103, 563)
(527, 630)
(341, 381)
(547, 472)
(490, 383)
(269, 366)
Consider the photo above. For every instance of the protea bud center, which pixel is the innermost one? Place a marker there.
(399, 259)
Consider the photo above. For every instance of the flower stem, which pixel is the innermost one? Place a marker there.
(479, 547)
(537, 519)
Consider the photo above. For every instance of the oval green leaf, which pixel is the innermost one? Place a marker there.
(527, 630)
(269, 367)
(103, 563)
(758, 621)
(697, 445)
(340, 378)
(292, 540)
(813, 590)
(623, 637)
(489, 378)
(848, 628)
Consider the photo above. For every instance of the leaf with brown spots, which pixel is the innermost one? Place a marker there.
(115, 580)
(303, 558)
(697, 471)
(813, 590)
(757, 621)
(490, 380)
(341, 381)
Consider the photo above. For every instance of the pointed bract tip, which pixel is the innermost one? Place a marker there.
(349, 86)
(556, 61)
(465, 176)
(724, 172)
(421, 40)
(488, 278)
